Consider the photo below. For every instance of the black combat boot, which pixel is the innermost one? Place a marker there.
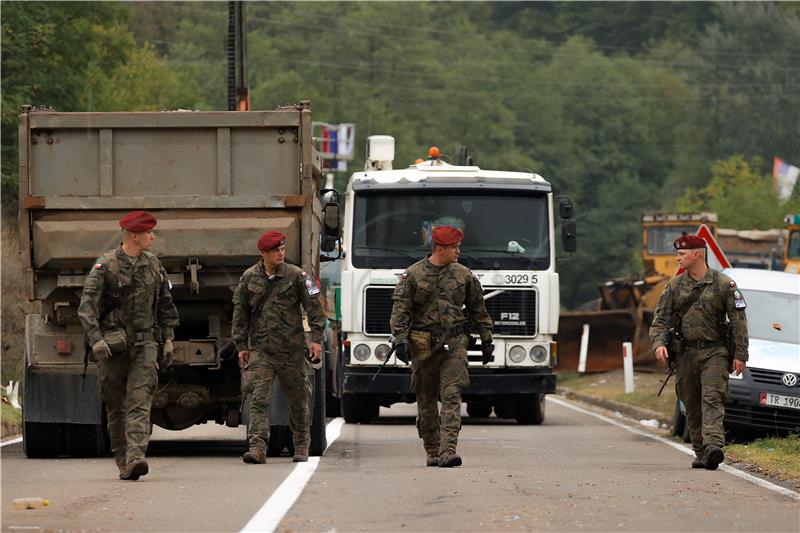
(449, 459)
(134, 470)
(714, 456)
(255, 456)
(699, 460)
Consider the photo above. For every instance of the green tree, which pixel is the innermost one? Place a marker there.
(49, 50)
(742, 197)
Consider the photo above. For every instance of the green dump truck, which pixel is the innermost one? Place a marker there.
(216, 181)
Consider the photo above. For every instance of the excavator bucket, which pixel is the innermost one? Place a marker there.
(608, 329)
(625, 315)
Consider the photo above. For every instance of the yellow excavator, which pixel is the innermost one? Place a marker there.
(624, 310)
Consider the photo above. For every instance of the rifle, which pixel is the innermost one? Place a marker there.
(674, 340)
(672, 366)
(388, 356)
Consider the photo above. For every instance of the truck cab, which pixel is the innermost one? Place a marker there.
(509, 227)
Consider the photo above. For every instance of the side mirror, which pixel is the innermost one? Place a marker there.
(569, 236)
(331, 231)
(565, 209)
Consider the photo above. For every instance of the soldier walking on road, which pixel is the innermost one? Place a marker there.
(428, 324)
(126, 310)
(268, 332)
(696, 303)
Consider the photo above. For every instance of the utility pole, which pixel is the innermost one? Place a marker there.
(238, 90)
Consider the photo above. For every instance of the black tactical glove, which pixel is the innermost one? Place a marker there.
(402, 352)
(487, 349)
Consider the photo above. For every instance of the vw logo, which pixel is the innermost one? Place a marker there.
(790, 380)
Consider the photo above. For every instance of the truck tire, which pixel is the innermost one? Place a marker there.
(678, 420)
(41, 440)
(333, 407)
(279, 436)
(319, 440)
(480, 408)
(530, 408)
(85, 440)
(359, 408)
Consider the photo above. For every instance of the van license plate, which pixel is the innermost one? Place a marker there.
(779, 400)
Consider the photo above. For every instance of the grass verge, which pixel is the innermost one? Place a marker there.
(773, 456)
(10, 421)
(611, 386)
(777, 457)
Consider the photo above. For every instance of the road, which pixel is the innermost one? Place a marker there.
(577, 472)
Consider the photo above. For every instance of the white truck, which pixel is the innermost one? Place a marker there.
(509, 243)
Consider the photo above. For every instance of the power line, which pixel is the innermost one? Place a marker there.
(443, 76)
(405, 29)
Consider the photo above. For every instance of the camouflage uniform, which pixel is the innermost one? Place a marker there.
(429, 299)
(266, 312)
(702, 374)
(129, 294)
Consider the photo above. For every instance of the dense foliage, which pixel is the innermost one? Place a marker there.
(623, 107)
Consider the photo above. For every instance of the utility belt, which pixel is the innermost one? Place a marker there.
(702, 345)
(458, 329)
(139, 337)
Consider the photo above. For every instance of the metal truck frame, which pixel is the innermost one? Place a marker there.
(216, 181)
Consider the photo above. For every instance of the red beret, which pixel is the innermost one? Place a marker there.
(138, 221)
(270, 240)
(446, 235)
(689, 242)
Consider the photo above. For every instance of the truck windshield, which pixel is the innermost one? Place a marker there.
(660, 238)
(502, 229)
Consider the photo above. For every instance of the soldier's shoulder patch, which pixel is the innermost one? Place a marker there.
(404, 275)
(311, 287)
(732, 284)
(98, 266)
(738, 300)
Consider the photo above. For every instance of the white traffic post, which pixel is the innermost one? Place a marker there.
(627, 366)
(584, 349)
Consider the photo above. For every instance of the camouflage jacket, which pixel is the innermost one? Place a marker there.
(267, 311)
(703, 321)
(429, 297)
(129, 293)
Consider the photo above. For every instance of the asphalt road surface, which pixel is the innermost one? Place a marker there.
(576, 472)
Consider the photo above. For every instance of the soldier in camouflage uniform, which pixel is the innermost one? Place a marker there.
(702, 357)
(428, 321)
(126, 310)
(268, 332)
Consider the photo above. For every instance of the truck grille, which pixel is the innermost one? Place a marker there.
(377, 310)
(513, 311)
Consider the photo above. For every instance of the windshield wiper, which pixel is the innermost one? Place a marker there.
(508, 252)
(397, 251)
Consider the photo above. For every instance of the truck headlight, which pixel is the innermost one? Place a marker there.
(538, 354)
(516, 354)
(381, 351)
(361, 352)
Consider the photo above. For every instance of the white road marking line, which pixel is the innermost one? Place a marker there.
(275, 508)
(12, 441)
(685, 449)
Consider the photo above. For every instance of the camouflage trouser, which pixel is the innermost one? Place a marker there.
(294, 374)
(442, 376)
(127, 382)
(702, 385)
